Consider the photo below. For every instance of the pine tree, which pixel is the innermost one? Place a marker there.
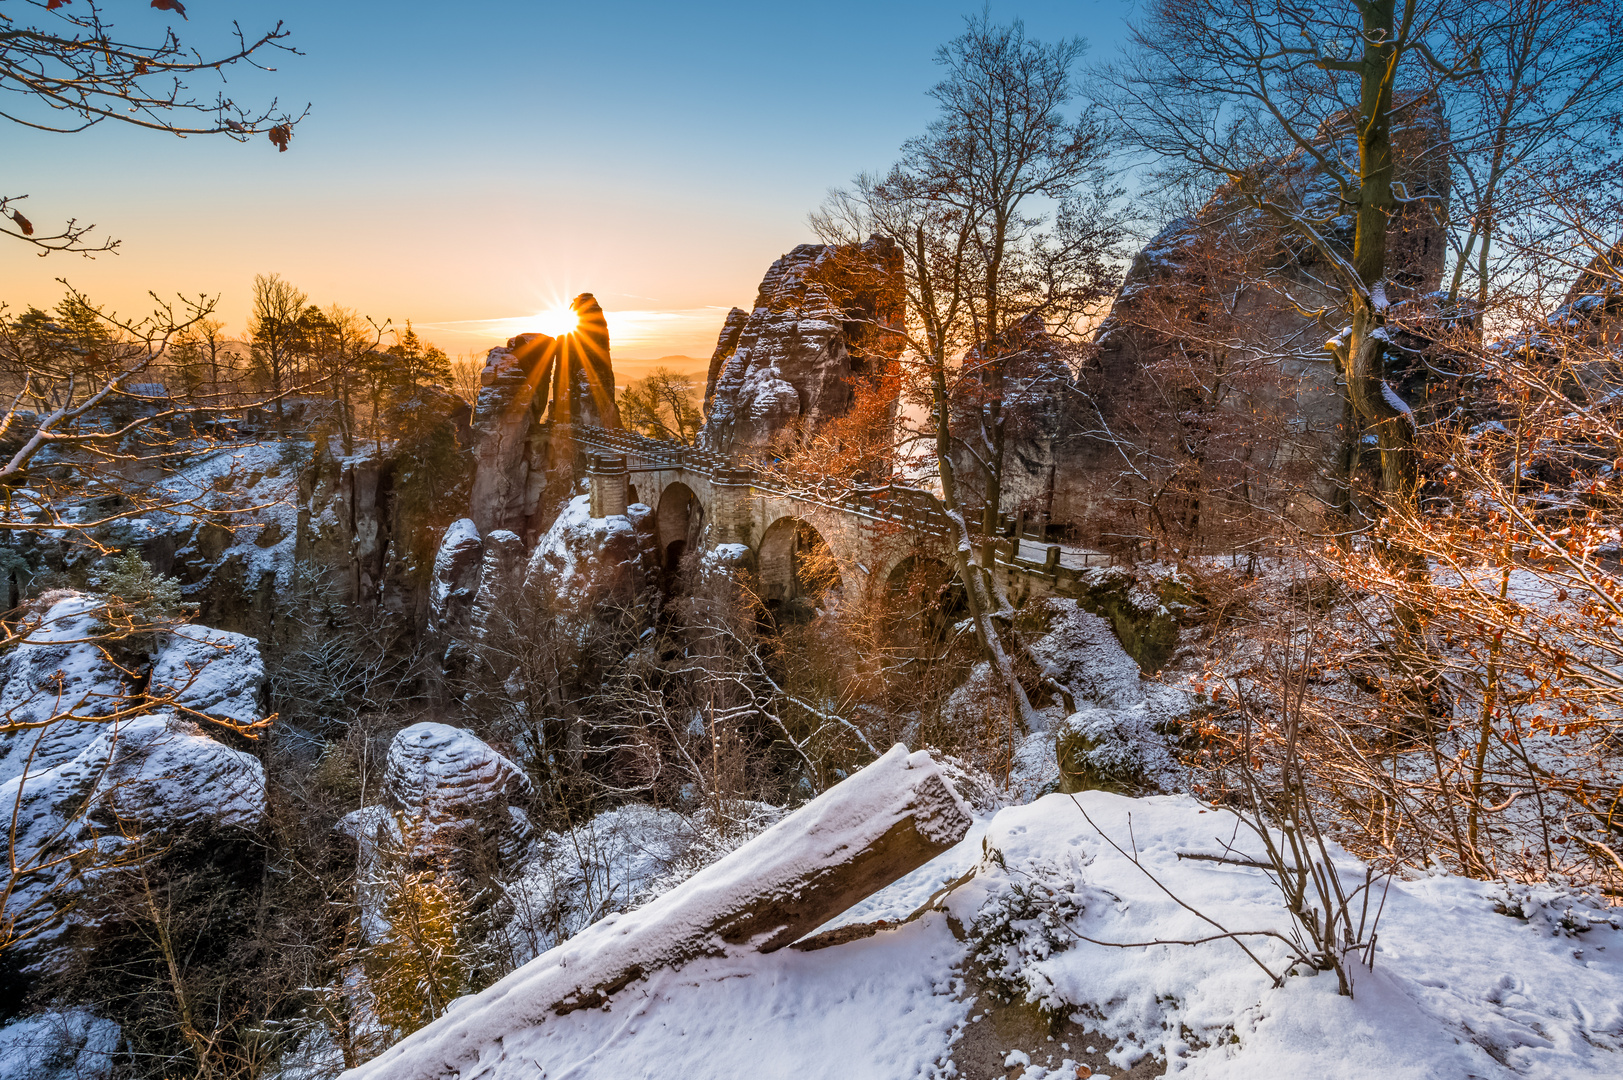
(422, 960)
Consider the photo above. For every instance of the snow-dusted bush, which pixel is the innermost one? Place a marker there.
(1022, 924)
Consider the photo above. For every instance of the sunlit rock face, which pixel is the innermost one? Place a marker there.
(531, 381)
(583, 379)
(1587, 326)
(509, 452)
(821, 317)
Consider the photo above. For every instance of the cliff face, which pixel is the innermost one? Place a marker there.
(1210, 369)
(509, 448)
(820, 317)
(372, 522)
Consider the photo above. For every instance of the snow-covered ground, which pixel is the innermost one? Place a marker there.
(1459, 987)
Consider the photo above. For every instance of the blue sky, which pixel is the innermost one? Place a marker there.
(467, 164)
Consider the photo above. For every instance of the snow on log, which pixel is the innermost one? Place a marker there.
(859, 836)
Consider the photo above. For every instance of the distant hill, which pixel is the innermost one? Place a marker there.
(627, 370)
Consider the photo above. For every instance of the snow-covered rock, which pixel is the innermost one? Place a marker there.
(1118, 737)
(213, 672)
(57, 670)
(617, 860)
(501, 569)
(452, 788)
(455, 580)
(818, 320)
(446, 773)
(1082, 652)
(760, 897)
(587, 559)
(68, 1044)
(1121, 749)
(148, 776)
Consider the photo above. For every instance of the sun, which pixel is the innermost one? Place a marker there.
(556, 322)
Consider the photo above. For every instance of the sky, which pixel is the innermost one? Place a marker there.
(467, 166)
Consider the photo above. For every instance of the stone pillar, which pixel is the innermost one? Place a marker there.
(609, 478)
(730, 514)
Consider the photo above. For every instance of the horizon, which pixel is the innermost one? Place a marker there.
(678, 185)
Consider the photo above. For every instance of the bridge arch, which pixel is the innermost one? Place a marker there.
(797, 568)
(678, 519)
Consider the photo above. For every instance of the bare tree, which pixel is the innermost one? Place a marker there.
(1294, 106)
(273, 329)
(1004, 212)
(1002, 153)
(664, 404)
(353, 338)
(81, 425)
(66, 70)
(1541, 103)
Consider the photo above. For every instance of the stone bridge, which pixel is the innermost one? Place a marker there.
(875, 536)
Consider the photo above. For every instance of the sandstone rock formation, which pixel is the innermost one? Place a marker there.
(500, 571)
(215, 673)
(509, 448)
(62, 668)
(1209, 394)
(537, 379)
(147, 778)
(448, 774)
(1590, 315)
(56, 670)
(583, 378)
(452, 784)
(820, 317)
(455, 582)
(582, 561)
(1038, 409)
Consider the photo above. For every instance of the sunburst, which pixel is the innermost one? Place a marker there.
(556, 322)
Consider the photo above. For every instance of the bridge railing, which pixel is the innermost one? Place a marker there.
(909, 506)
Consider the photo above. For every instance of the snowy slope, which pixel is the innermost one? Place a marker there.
(1458, 989)
(1437, 1003)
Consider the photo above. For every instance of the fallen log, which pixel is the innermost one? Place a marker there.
(862, 834)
